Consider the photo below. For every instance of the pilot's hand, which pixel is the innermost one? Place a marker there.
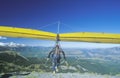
(47, 59)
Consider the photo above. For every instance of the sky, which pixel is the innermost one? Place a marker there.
(74, 15)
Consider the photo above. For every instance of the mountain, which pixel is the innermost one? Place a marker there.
(102, 60)
(13, 57)
(11, 61)
(39, 51)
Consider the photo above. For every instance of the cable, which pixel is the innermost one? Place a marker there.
(48, 25)
(58, 26)
(68, 26)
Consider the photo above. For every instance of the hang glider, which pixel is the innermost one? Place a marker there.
(76, 36)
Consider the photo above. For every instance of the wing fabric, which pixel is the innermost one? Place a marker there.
(26, 33)
(91, 37)
(78, 36)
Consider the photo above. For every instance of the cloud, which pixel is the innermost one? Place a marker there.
(2, 44)
(2, 37)
(12, 44)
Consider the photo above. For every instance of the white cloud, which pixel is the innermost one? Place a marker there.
(2, 44)
(2, 37)
(12, 44)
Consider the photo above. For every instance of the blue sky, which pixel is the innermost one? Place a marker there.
(79, 15)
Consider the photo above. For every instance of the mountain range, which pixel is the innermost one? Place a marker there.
(39, 51)
(101, 60)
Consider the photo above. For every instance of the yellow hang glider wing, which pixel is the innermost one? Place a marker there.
(91, 37)
(26, 33)
(78, 36)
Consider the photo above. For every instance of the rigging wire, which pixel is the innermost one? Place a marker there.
(59, 24)
(68, 26)
(58, 31)
(48, 25)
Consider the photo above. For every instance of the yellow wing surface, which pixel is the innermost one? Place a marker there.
(26, 33)
(91, 37)
(78, 36)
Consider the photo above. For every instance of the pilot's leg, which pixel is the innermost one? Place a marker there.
(57, 63)
(54, 64)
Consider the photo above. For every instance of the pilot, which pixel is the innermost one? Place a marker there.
(56, 56)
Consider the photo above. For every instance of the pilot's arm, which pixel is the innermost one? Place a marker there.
(49, 54)
(64, 55)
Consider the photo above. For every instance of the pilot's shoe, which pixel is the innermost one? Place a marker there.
(56, 68)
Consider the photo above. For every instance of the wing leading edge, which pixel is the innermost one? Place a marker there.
(91, 37)
(26, 33)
